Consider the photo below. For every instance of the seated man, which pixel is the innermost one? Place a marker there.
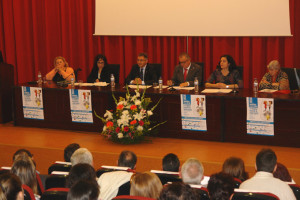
(142, 73)
(264, 181)
(69, 150)
(82, 155)
(110, 182)
(192, 172)
(170, 163)
(185, 73)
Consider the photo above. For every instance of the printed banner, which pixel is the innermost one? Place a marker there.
(33, 107)
(260, 116)
(193, 112)
(81, 106)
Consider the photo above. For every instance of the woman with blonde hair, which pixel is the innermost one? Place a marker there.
(61, 71)
(145, 184)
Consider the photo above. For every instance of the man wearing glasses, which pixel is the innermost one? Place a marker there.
(185, 73)
(142, 73)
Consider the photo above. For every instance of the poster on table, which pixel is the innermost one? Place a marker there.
(33, 107)
(81, 106)
(193, 112)
(260, 116)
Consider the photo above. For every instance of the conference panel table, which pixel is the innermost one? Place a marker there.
(225, 113)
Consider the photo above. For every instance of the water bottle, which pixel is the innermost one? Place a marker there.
(160, 83)
(72, 80)
(255, 85)
(39, 81)
(112, 80)
(196, 84)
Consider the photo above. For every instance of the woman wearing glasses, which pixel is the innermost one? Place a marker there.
(100, 71)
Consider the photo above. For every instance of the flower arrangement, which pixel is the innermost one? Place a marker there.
(130, 122)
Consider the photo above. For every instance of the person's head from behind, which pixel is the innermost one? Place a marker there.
(192, 171)
(69, 150)
(266, 160)
(127, 159)
(220, 186)
(22, 151)
(100, 61)
(273, 67)
(184, 60)
(235, 167)
(84, 190)
(177, 191)
(142, 60)
(145, 184)
(81, 171)
(282, 173)
(170, 163)
(226, 62)
(82, 155)
(11, 186)
(24, 168)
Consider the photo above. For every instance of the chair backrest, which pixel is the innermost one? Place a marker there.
(76, 72)
(157, 67)
(201, 64)
(241, 71)
(296, 190)
(28, 193)
(254, 196)
(59, 167)
(124, 189)
(128, 197)
(115, 70)
(39, 184)
(237, 183)
(55, 194)
(55, 181)
(165, 178)
(292, 77)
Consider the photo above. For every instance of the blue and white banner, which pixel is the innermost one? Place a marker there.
(81, 106)
(33, 102)
(193, 112)
(260, 116)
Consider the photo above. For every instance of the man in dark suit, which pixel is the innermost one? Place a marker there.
(185, 73)
(142, 73)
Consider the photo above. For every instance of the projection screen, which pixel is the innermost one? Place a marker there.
(192, 17)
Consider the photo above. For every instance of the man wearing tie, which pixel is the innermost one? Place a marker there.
(185, 73)
(142, 73)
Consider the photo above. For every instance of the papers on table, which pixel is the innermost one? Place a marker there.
(217, 91)
(140, 86)
(114, 167)
(183, 88)
(267, 90)
(92, 84)
(164, 86)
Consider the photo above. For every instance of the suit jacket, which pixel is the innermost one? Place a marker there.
(104, 76)
(149, 78)
(194, 71)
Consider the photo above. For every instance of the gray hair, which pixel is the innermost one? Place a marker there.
(82, 155)
(274, 64)
(192, 171)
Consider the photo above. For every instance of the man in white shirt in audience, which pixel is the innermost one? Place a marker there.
(192, 172)
(264, 181)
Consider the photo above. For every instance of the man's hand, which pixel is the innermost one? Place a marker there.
(185, 84)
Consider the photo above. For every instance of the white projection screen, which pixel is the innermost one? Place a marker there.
(192, 17)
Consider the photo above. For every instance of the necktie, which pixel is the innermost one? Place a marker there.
(185, 73)
(142, 74)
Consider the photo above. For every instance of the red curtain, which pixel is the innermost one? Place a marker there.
(34, 32)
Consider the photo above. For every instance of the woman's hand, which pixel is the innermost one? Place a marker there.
(221, 85)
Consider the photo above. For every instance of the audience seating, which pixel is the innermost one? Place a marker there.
(55, 181)
(254, 196)
(166, 177)
(237, 183)
(59, 167)
(55, 194)
(28, 193)
(296, 190)
(128, 197)
(105, 169)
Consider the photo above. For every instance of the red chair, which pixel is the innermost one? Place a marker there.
(237, 182)
(55, 194)
(296, 190)
(254, 196)
(28, 193)
(40, 184)
(128, 197)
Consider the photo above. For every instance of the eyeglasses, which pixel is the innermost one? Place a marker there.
(140, 60)
(101, 63)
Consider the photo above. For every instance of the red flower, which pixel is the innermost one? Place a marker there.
(126, 128)
(109, 124)
(141, 123)
(129, 134)
(117, 129)
(120, 107)
(133, 122)
(133, 107)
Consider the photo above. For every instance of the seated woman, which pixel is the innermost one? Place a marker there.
(100, 71)
(236, 168)
(61, 71)
(11, 186)
(226, 75)
(275, 78)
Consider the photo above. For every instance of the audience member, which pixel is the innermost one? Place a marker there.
(82, 155)
(100, 70)
(81, 171)
(61, 71)
(282, 173)
(178, 191)
(192, 172)
(110, 182)
(142, 73)
(171, 163)
(22, 151)
(11, 186)
(264, 180)
(69, 150)
(145, 184)
(84, 190)
(220, 186)
(185, 73)
(235, 167)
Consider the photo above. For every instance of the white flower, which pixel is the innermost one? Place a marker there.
(125, 112)
(137, 102)
(104, 128)
(149, 112)
(139, 128)
(133, 98)
(109, 115)
(138, 116)
(120, 135)
(137, 93)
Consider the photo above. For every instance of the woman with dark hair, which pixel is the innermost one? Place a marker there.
(100, 71)
(282, 173)
(236, 168)
(178, 191)
(81, 171)
(226, 75)
(220, 186)
(11, 186)
(83, 190)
